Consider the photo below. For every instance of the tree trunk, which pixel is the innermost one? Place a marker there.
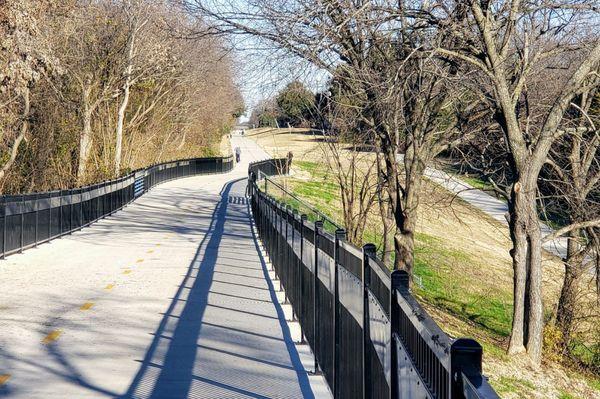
(22, 135)
(527, 328)
(565, 313)
(120, 124)
(85, 138)
(125, 100)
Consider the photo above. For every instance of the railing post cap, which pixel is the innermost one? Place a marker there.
(319, 224)
(304, 217)
(400, 279)
(340, 234)
(369, 248)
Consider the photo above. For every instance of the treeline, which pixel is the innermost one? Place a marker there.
(294, 105)
(92, 88)
(510, 87)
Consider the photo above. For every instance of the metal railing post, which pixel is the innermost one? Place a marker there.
(340, 235)
(36, 205)
(369, 250)
(4, 229)
(465, 358)
(22, 223)
(399, 280)
(316, 302)
(303, 219)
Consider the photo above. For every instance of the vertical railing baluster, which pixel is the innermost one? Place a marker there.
(3, 227)
(22, 223)
(340, 235)
(316, 302)
(36, 206)
(369, 250)
(296, 299)
(303, 219)
(399, 281)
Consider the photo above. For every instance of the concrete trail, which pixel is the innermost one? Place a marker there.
(169, 298)
(489, 204)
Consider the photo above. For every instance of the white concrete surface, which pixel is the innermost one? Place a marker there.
(168, 298)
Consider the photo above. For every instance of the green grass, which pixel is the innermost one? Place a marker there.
(476, 182)
(443, 287)
(566, 395)
(435, 264)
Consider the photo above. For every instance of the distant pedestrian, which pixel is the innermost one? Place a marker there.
(238, 154)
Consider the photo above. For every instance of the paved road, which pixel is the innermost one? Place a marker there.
(169, 298)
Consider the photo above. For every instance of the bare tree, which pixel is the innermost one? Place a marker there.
(24, 58)
(137, 14)
(570, 184)
(380, 53)
(510, 43)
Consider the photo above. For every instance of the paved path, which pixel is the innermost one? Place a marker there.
(489, 204)
(169, 298)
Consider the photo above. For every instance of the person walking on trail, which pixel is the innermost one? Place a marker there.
(238, 154)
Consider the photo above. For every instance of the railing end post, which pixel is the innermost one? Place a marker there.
(400, 279)
(465, 358)
(369, 250)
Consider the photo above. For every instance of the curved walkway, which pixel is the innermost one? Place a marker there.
(169, 298)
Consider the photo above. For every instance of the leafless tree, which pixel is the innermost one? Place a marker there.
(510, 43)
(24, 58)
(380, 53)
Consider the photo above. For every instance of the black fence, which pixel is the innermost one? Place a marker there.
(31, 219)
(369, 336)
(269, 167)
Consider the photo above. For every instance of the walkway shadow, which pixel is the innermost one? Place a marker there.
(178, 364)
(170, 366)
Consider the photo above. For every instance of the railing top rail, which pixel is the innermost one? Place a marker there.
(120, 178)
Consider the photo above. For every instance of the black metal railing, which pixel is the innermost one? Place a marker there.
(30, 219)
(369, 335)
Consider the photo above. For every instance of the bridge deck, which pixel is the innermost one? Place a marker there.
(167, 299)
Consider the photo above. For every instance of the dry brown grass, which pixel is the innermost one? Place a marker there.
(467, 230)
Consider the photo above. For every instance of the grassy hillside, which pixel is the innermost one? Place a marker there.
(463, 269)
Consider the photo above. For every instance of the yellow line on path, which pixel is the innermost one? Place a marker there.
(158, 245)
(127, 271)
(86, 306)
(4, 379)
(51, 337)
(139, 261)
(150, 251)
(109, 287)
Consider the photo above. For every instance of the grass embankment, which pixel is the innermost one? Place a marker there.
(462, 266)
